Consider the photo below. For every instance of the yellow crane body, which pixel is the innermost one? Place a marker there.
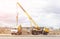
(32, 21)
(36, 30)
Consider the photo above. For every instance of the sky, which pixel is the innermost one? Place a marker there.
(44, 12)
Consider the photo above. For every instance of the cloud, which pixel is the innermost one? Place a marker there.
(44, 12)
(52, 9)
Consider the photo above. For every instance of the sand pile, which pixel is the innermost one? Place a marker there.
(5, 31)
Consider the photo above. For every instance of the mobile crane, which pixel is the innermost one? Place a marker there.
(36, 30)
(19, 28)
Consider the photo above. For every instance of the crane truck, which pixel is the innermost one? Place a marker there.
(17, 31)
(36, 30)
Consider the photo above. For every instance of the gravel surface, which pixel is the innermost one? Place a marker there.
(29, 36)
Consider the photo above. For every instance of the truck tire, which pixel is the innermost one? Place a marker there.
(45, 33)
(35, 32)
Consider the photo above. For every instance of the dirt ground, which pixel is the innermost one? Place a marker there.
(25, 31)
(29, 37)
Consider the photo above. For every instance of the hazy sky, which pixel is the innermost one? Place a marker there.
(44, 12)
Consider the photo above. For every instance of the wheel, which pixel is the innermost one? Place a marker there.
(35, 32)
(45, 33)
(19, 33)
(12, 33)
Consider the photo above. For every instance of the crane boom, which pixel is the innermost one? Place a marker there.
(17, 19)
(28, 15)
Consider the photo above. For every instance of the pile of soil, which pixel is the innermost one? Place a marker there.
(5, 31)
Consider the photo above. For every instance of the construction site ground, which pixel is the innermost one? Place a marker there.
(29, 36)
(26, 31)
(5, 33)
